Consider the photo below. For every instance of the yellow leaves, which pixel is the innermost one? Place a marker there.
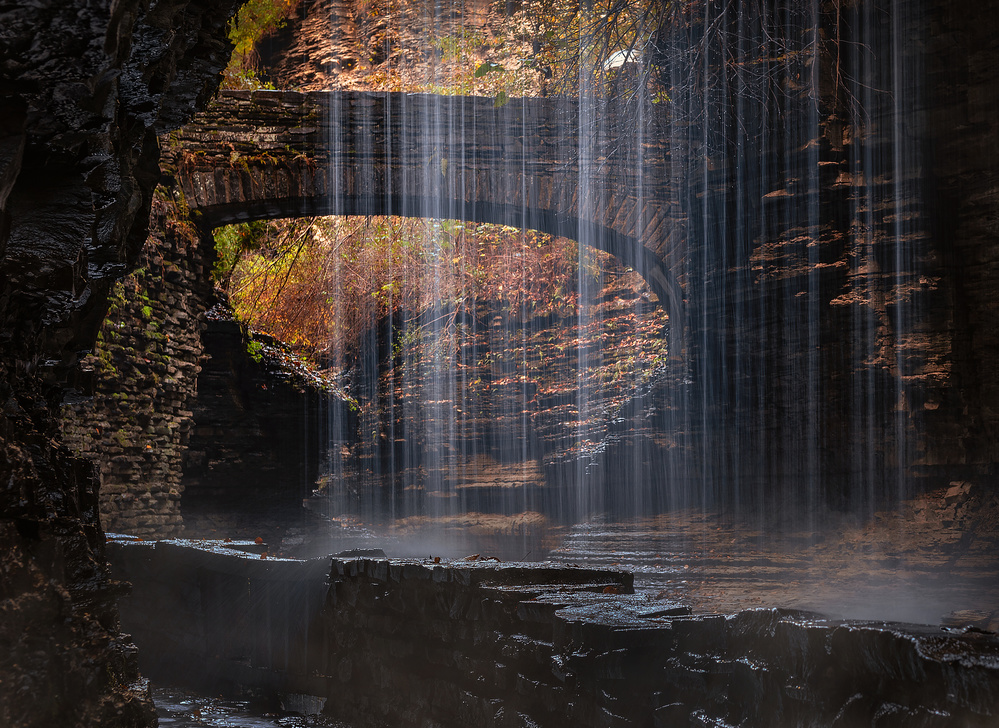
(254, 20)
(322, 284)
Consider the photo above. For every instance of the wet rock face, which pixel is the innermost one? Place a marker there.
(84, 89)
(474, 642)
(223, 614)
(514, 646)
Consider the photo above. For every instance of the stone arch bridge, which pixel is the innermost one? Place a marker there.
(541, 164)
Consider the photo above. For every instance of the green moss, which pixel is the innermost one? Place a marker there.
(255, 350)
(121, 437)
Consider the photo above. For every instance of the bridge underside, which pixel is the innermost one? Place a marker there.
(625, 248)
(530, 164)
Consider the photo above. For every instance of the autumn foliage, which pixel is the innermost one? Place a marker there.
(525, 321)
(321, 284)
(255, 19)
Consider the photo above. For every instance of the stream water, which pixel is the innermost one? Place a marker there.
(727, 567)
(887, 569)
(182, 708)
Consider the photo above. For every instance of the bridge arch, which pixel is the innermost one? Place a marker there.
(531, 164)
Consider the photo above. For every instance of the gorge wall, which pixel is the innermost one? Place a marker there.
(84, 91)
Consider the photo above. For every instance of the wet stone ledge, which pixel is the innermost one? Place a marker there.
(391, 642)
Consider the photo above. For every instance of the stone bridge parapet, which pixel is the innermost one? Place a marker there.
(543, 164)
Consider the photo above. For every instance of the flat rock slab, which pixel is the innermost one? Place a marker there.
(480, 642)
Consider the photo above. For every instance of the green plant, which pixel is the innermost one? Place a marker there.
(231, 243)
(255, 350)
(321, 283)
(255, 19)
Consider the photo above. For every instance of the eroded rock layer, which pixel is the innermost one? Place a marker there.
(84, 90)
(475, 642)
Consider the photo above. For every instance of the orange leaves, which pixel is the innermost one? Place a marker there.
(320, 284)
(496, 308)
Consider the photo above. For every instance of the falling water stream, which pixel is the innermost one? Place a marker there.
(737, 463)
(735, 406)
(733, 393)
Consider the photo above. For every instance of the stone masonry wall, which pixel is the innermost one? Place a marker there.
(267, 154)
(142, 376)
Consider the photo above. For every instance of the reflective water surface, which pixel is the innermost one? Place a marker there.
(921, 564)
(182, 708)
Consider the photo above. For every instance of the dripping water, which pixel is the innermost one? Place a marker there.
(790, 137)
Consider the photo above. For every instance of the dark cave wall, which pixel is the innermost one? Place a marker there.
(963, 115)
(262, 424)
(84, 90)
(841, 269)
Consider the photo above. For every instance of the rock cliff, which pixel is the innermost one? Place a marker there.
(84, 90)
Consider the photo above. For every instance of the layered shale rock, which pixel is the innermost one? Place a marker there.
(84, 90)
(474, 642)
